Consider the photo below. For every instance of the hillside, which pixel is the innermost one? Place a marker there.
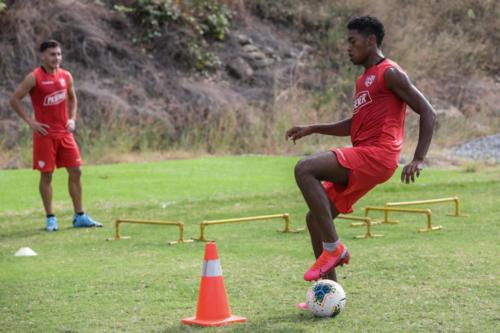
(230, 76)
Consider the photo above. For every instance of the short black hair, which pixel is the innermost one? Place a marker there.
(49, 44)
(368, 25)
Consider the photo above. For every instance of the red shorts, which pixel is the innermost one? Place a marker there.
(51, 152)
(368, 167)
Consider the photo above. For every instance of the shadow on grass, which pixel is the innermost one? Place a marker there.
(293, 322)
(26, 233)
(18, 234)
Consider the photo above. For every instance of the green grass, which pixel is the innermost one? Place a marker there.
(445, 281)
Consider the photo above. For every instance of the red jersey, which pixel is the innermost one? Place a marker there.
(378, 114)
(48, 98)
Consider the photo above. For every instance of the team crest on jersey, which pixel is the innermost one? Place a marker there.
(361, 99)
(55, 98)
(62, 82)
(369, 80)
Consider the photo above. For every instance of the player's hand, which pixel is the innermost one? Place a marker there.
(39, 127)
(70, 125)
(410, 170)
(298, 132)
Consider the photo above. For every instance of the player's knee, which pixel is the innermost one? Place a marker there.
(75, 173)
(302, 168)
(46, 177)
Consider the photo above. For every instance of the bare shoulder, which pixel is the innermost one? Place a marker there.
(68, 75)
(66, 72)
(28, 82)
(26, 85)
(30, 78)
(395, 78)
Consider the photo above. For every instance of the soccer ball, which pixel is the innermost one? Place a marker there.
(326, 298)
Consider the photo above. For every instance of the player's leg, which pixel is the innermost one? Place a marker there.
(68, 156)
(309, 173)
(75, 188)
(317, 245)
(317, 242)
(80, 219)
(45, 187)
(44, 161)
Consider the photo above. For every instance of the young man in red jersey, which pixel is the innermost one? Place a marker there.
(54, 103)
(332, 182)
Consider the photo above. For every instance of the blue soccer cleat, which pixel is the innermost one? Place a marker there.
(85, 221)
(52, 224)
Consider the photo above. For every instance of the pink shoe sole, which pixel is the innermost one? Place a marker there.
(302, 306)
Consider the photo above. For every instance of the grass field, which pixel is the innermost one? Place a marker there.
(445, 281)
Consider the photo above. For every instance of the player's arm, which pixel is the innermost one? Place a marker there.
(401, 85)
(72, 104)
(22, 90)
(341, 128)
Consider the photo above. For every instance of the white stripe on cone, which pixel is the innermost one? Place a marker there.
(211, 268)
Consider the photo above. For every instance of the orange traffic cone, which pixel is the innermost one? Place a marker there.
(213, 308)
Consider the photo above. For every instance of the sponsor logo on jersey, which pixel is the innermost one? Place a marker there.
(47, 82)
(361, 99)
(55, 98)
(369, 80)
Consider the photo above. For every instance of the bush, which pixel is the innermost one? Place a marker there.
(203, 20)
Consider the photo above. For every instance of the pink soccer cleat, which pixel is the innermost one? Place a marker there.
(326, 262)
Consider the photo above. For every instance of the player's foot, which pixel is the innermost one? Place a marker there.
(85, 221)
(326, 262)
(302, 306)
(52, 224)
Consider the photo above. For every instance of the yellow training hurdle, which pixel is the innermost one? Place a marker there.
(180, 225)
(455, 200)
(366, 222)
(426, 212)
(284, 216)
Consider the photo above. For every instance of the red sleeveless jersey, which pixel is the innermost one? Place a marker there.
(378, 114)
(48, 98)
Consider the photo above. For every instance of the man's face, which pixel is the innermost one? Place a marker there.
(358, 47)
(52, 57)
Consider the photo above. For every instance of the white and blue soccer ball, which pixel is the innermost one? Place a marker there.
(326, 298)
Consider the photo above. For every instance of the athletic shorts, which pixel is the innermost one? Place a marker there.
(368, 167)
(51, 152)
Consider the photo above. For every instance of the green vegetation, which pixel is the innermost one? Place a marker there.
(446, 281)
(204, 20)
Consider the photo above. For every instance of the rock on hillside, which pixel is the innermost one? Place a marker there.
(487, 147)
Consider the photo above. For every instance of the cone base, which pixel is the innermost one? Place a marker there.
(221, 322)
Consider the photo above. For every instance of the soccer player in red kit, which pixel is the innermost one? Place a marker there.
(333, 181)
(52, 93)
